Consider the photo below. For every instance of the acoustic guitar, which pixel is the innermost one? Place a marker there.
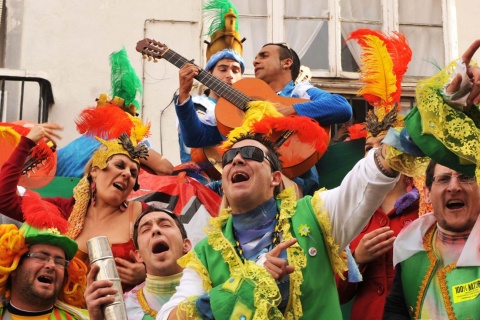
(297, 156)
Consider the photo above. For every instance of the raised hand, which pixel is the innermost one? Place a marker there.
(473, 72)
(373, 245)
(186, 75)
(45, 130)
(276, 266)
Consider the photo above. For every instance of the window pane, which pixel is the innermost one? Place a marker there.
(312, 50)
(356, 15)
(253, 27)
(427, 50)
(426, 11)
(351, 51)
(361, 10)
(305, 8)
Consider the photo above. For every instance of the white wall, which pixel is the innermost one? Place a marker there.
(71, 41)
(468, 25)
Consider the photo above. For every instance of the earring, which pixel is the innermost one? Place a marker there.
(93, 192)
(124, 206)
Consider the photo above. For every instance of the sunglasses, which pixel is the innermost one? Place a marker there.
(283, 45)
(286, 46)
(247, 153)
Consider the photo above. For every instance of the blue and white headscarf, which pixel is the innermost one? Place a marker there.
(225, 54)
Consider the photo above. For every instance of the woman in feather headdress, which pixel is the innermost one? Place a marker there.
(99, 205)
(384, 61)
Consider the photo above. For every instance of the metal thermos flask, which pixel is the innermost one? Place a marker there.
(100, 254)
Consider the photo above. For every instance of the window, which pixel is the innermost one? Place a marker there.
(317, 30)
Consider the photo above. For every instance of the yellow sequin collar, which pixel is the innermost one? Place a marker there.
(249, 269)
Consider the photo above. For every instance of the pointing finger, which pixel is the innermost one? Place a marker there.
(282, 246)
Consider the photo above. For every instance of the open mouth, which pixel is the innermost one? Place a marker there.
(455, 204)
(118, 186)
(45, 279)
(240, 177)
(160, 247)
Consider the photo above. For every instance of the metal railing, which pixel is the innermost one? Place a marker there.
(14, 82)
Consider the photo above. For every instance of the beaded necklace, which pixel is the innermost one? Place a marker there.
(144, 304)
(276, 238)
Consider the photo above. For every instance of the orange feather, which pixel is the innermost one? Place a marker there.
(399, 53)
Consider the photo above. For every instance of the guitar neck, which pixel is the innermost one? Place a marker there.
(221, 88)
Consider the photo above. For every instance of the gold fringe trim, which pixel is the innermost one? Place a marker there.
(191, 260)
(442, 279)
(427, 243)
(296, 256)
(266, 293)
(144, 304)
(76, 220)
(338, 260)
(187, 309)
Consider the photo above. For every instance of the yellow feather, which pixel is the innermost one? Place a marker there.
(255, 112)
(9, 136)
(377, 73)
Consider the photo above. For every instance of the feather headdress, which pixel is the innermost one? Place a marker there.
(384, 61)
(125, 82)
(222, 15)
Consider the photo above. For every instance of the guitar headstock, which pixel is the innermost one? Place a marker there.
(305, 74)
(151, 49)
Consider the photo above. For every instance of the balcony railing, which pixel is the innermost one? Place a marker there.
(18, 88)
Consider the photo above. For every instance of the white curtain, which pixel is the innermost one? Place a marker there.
(426, 42)
(300, 34)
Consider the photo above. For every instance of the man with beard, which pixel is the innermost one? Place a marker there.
(35, 286)
(160, 240)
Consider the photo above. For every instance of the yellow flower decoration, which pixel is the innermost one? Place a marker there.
(304, 230)
(54, 231)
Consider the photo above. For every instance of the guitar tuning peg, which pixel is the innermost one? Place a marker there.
(144, 57)
(32, 170)
(149, 58)
(155, 60)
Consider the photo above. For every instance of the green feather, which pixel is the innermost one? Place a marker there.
(214, 13)
(124, 80)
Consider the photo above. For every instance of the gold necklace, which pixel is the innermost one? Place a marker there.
(143, 303)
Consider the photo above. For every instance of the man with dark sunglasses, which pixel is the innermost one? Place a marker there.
(269, 256)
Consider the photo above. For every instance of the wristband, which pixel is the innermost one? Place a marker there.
(381, 167)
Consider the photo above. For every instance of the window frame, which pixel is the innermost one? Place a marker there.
(276, 33)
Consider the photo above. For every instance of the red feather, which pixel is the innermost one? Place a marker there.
(42, 214)
(306, 129)
(357, 131)
(107, 122)
(397, 47)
